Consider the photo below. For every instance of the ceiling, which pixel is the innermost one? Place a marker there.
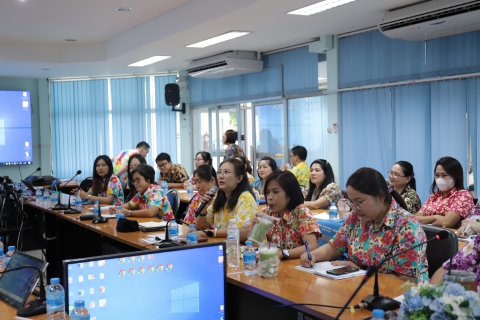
(33, 33)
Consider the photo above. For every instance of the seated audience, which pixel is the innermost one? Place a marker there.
(323, 190)
(150, 201)
(296, 224)
(300, 169)
(121, 159)
(402, 179)
(378, 227)
(266, 166)
(134, 161)
(466, 259)
(205, 178)
(232, 149)
(106, 187)
(201, 158)
(234, 200)
(174, 174)
(449, 202)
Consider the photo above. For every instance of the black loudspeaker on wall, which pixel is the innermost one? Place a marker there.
(172, 94)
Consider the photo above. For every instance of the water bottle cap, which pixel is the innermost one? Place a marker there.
(233, 220)
(79, 304)
(192, 226)
(55, 281)
(333, 203)
(119, 208)
(11, 248)
(248, 243)
(97, 202)
(377, 313)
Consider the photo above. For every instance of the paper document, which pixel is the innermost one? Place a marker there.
(153, 224)
(102, 209)
(320, 269)
(321, 216)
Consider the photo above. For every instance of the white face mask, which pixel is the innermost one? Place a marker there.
(443, 184)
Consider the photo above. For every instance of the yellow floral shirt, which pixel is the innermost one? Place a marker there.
(302, 173)
(243, 212)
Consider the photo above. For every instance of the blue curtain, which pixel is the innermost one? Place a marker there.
(448, 116)
(473, 103)
(79, 115)
(307, 126)
(366, 124)
(372, 58)
(412, 133)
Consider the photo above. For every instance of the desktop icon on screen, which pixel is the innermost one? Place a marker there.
(131, 271)
(122, 273)
(169, 266)
(160, 268)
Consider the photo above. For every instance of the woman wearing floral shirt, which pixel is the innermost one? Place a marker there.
(106, 187)
(323, 190)
(234, 200)
(232, 150)
(402, 179)
(150, 201)
(295, 224)
(378, 227)
(448, 206)
(205, 178)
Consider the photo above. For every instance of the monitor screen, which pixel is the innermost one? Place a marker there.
(15, 128)
(16, 286)
(172, 283)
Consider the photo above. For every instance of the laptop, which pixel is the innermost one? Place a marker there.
(29, 186)
(16, 286)
(172, 283)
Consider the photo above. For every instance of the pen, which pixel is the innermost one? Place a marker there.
(466, 229)
(308, 251)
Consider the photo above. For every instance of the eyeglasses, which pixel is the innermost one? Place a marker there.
(197, 160)
(224, 172)
(137, 181)
(394, 174)
(161, 166)
(355, 204)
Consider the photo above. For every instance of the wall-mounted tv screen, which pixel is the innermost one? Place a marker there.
(15, 128)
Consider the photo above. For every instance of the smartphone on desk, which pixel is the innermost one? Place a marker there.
(342, 271)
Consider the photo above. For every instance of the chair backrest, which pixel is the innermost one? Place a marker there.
(439, 251)
(86, 184)
(174, 199)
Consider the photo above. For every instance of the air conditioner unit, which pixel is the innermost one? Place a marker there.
(227, 64)
(432, 19)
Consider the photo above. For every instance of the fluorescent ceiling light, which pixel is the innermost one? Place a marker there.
(223, 37)
(146, 62)
(319, 7)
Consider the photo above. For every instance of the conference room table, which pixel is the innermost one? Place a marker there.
(251, 297)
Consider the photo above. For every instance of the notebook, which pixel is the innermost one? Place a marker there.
(320, 269)
(152, 226)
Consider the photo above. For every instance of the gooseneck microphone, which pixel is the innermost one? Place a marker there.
(202, 205)
(59, 205)
(38, 169)
(377, 301)
(169, 242)
(37, 306)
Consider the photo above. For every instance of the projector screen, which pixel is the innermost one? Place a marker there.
(15, 128)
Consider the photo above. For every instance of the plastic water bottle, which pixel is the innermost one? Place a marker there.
(249, 259)
(96, 210)
(78, 203)
(233, 237)
(38, 198)
(333, 212)
(46, 200)
(165, 186)
(55, 300)
(192, 237)
(24, 190)
(54, 198)
(119, 213)
(173, 231)
(378, 314)
(9, 255)
(80, 312)
(190, 190)
(2, 255)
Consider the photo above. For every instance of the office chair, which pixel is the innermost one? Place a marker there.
(86, 184)
(174, 199)
(439, 251)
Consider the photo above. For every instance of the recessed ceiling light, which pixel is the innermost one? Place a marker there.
(148, 61)
(319, 7)
(124, 9)
(70, 40)
(221, 38)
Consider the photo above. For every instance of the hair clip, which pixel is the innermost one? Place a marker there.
(390, 190)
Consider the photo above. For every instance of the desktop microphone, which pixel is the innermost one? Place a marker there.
(38, 169)
(59, 205)
(202, 205)
(370, 272)
(377, 301)
(37, 306)
(168, 242)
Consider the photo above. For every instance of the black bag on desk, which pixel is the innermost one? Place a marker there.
(125, 225)
(42, 180)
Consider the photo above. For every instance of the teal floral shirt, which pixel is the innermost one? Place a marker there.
(398, 231)
(257, 184)
(232, 151)
(114, 187)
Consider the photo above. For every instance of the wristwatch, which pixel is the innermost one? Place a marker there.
(202, 215)
(286, 254)
(89, 196)
(129, 212)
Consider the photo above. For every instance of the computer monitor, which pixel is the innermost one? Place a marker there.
(172, 283)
